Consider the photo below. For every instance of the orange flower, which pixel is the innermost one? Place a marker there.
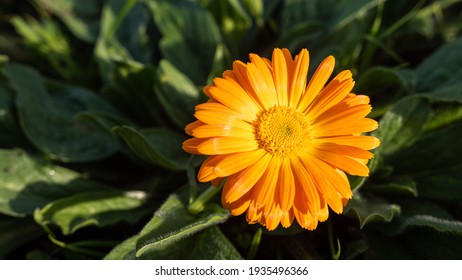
(283, 145)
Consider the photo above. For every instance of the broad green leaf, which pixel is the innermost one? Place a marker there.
(445, 115)
(210, 244)
(386, 247)
(441, 183)
(369, 208)
(435, 151)
(27, 183)
(156, 146)
(100, 208)
(177, 94)
(173, 222)
(402, 124)
(383, 85)
(47, 118)
(80, 16)
(15, 233)
(442, 69)
(190, 37)
(450, 93)
(399, 186)
(432, 245)
(104, 120)
(125, 250)
(442, 225)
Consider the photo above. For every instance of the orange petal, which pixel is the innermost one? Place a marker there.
(360, 141)
(342, 162)
(231, 94)
(261, 81)
(190, 145)
(331, 95)
(280, 76)
(225, 165)
(299, 76)
(340, 128)
(240, 183)
(223, 130)
(344, 150)
(266, 186)
(226, 145)
(286, 186)
(317, 82)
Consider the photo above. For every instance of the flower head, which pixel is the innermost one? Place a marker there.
(283, 144)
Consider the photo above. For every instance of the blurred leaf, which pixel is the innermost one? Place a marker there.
(92, 208)
(177, 94)
(15, 233)
(443, 68)
(11, 135)
(190, 37)
(104, 120)
(382, 84)
(450, 93)
(370, 208)
(173, 222)
(131, 89)
(348, 11)
(157, 146)
(441, 184)
(47, 119)
(399, 186)
(80, 16)
(435, 151)
(27, 184)
(48, 40)
(432, 245)
(126, 22)
(402, 125)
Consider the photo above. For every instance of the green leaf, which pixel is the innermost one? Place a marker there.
(15, 233)
(401, 126)
(450, 93)
(47, 118)
(80, 16)
(432, 245)
(234, 20)
(442, 225)
(435, 151)
(11, 135)
(156, 146)
(177, 94)
(441, 184)
(27, 183)
(369, 208)
(210, 244)
(125, 250)
(442, 69)
(190, 37)
(126, 22)
(399, 186)
(131, 88)
(92, 208)
(173, 222)
(382, 84)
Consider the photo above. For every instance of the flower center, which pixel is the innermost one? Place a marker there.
(282, 131)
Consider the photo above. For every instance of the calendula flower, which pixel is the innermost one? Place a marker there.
(282, 144)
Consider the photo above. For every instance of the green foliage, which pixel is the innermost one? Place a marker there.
(95, 95)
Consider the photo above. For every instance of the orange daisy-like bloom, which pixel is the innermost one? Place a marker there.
(283, 145)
